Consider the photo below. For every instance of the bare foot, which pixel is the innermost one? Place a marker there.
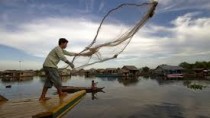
(44, 98)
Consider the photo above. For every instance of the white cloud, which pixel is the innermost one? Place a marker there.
(39, 36)
(189, 38)
(174, 5)
(188, 41)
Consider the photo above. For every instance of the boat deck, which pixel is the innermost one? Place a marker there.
(54, 107)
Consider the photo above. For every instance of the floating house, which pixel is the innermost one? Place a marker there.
(169, 71)
(100, 71)
(111, 71)
(130, 71)
(10, 74)
(108, 72)
(201, 72)
(16, 75)
(207, 73)
(125, 71)
(27, 73)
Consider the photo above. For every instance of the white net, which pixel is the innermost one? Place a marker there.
(115, 32)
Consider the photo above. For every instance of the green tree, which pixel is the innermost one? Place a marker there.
(186, 65)
(208, 65)
(145, 69)
(197, 64)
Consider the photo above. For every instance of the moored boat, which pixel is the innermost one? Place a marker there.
(72, 89)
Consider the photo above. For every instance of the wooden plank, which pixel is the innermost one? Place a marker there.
(54, 107)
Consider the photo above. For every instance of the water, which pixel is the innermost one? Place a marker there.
(137, 98)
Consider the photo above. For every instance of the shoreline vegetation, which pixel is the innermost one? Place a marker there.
(197, 70)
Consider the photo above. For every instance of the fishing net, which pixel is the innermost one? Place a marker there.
(115, 32)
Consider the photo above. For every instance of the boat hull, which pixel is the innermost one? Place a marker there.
(71, 89)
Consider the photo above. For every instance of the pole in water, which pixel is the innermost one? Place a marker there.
(20, 64)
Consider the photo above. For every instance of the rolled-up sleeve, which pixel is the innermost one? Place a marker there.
(60, 54)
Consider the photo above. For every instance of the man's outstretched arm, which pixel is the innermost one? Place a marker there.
(60, 54)
(77, 54)
(69, 53)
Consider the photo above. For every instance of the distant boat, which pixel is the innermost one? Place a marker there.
(8, 86)
(92, 89)
(175, 76)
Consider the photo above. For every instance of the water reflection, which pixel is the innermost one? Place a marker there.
(94, 95)
(191, 83)
(144, 98)
(42, 79)
(7, 83)
(195, 85)
(164, 110)
(22, 79)
(128, 81)
(108, 78)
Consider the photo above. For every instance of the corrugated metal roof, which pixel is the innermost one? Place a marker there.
(169, 67)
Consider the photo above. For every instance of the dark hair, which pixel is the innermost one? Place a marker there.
(62, 40)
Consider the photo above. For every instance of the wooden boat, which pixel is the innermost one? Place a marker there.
(71, 89)
(53, 108)
(92, 89)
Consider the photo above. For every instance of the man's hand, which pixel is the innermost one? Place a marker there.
(70, 64)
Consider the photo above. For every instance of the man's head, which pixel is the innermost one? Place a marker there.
(62, 43)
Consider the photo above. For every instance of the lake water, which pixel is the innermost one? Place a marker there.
(136, 98)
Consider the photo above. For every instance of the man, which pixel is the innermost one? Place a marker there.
(50, 67)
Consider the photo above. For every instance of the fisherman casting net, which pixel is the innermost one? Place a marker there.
(115, 32)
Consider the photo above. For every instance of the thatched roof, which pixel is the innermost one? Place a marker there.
(129, 68)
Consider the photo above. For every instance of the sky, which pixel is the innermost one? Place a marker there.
(29, 29)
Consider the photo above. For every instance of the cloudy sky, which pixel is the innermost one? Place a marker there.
(29, 29)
